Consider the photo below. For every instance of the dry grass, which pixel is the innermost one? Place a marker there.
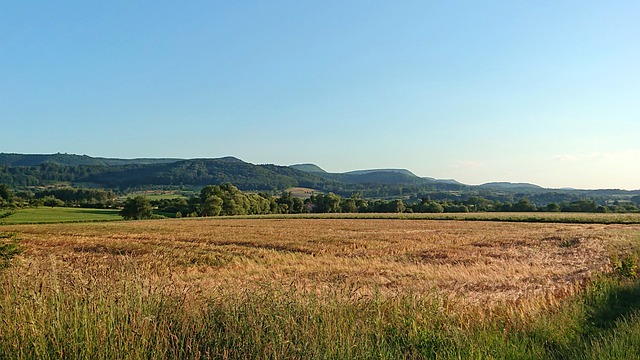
(469, 262)
(316, 288)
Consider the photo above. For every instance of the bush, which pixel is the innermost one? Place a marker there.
(137, 208)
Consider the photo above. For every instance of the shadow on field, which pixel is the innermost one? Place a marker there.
(616, 305)
(609, 308)
(96, 211)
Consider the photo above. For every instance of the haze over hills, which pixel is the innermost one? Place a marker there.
(384, 176)
(22, 170)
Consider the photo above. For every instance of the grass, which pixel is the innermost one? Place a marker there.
(536, 217)
(9, 247)
(42, 215)
(157, 195)
(321, 288)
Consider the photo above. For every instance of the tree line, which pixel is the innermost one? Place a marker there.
(66, 196)
(228, 200)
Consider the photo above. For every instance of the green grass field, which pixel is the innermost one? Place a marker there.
(44, 215)
(156, 195)
(537, 217)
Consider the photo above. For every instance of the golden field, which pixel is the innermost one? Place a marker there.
(232, 288)
(473, 262)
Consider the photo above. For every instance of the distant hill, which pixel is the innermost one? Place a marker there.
(445, 181)
(393, 171)
(244, 175)
(33, 170)
(139, 173)
(72, 160)
(508, 186)
(310, 168)
(378, 177)
(372, 176)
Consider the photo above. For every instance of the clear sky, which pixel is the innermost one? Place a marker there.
(546, 92)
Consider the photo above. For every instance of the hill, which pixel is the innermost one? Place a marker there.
(194, 173)
(72, 160)
(513, 187)
(392, 171)
(371, 176)
(382, 176)
(200, 172)
(310, 168)
(22, 171)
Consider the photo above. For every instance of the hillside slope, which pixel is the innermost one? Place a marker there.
(73, 160)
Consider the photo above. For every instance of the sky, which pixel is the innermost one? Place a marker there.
(544, 92)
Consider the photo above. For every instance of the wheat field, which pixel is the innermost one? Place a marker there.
(89, 277)
(473, 261)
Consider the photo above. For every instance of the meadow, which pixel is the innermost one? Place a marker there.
(43, 215)
(535, 217)
(320, 288)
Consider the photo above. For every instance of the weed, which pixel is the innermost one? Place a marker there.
(626, 266)
(9, 248)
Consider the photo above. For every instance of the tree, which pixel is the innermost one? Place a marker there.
(523, 205)
(478, 203)
(553, 207)
(349, 205)
(399, 206)
(6, 195)
(434, 207)
(212, 206)
(52, 201)
(5, 192)
(136, 208)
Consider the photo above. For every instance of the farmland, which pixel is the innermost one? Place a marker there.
(329, 288)
(42, 215)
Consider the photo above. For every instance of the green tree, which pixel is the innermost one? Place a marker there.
(52, 201)
(5, 193)
(285, 202)
(349, 205)
(399, 206)
(523, 205)
(553, 207)
(434, 207)
(137, 208)
(478, 203)
(211, 206)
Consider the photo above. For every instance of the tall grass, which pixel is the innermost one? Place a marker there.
(333, 289)
(104, 314)
(9, 248)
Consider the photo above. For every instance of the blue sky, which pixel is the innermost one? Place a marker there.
(525, 91)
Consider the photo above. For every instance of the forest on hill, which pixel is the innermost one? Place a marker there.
(23, 172)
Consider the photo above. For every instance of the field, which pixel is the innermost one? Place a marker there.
(321, 288)
(302, 192)
(156, 195)
(43, 215)
(534, 217)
